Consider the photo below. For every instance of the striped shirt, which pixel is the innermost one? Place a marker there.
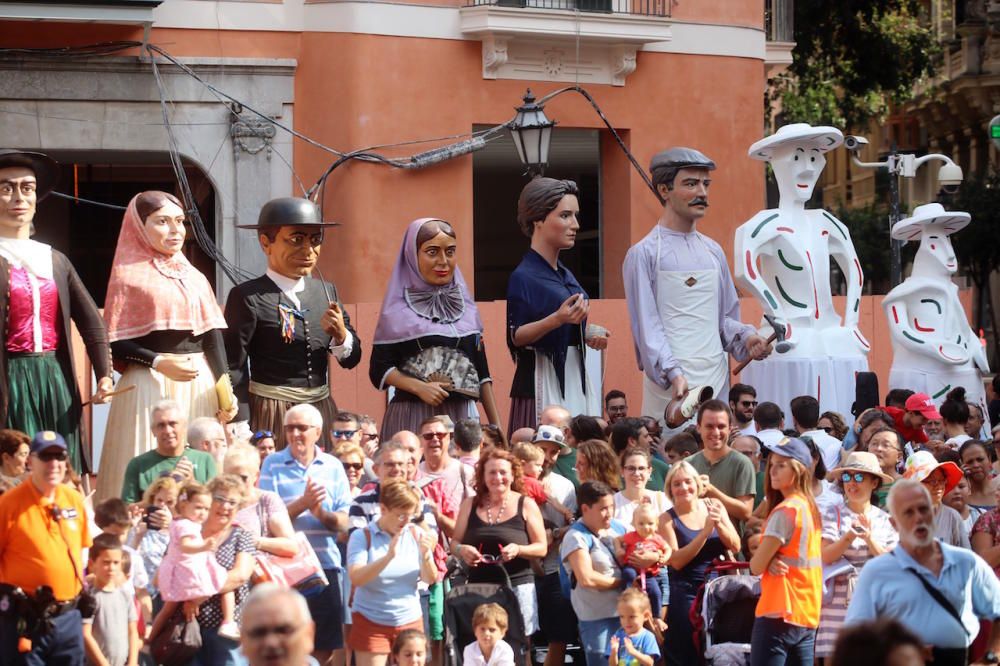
(283, 474)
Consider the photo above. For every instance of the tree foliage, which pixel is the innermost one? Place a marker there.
(852, 59)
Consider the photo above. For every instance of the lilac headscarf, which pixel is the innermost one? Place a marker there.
(412, 308)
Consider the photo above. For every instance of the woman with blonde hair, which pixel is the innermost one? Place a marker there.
(264, 515)
(699, 531)
(788, 560)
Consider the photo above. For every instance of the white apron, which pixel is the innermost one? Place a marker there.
(576, 400)
(688, 305)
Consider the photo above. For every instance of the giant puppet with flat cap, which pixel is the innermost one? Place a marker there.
(40, 294)
(682, 303)
(783, 258)
(933, 347)
(285, 325)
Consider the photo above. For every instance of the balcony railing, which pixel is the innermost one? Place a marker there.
(779, 20)
(635, 7)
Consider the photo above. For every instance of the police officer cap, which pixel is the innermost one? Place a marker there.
(680, 157)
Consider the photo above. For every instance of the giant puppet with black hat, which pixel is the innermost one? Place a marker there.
(783, 257)
(682, 303)
(40, 294)
(285, 325)
(933, 347)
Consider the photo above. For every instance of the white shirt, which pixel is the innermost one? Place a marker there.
(749, 429)
(502, 655)
(291, 289)
(770, 436)
(828, 445)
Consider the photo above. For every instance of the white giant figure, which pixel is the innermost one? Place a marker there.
(933, 348)
(783, 257)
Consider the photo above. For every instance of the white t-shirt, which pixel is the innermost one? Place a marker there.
(828, 445)
(502, 655)
(955, 443)
(624, 507)
(562, 490)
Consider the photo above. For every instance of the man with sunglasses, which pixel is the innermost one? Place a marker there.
(743, 400)
(43, 531)
(438, 463)
(284, 326)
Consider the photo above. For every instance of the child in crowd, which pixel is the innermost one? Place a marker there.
(532, 457)
(633, 644)
(409, 648)
(151, 542)
(644, 538)
(112, 517)
(489, 621)
(751, 541)
(189, 569)
(111, 635)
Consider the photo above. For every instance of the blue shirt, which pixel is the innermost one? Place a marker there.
(391, 599)
(888, 587)
(283, 474)
(644, 642)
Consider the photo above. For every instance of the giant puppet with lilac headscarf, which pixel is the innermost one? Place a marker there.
(165, 327)
(547, 309)
(429, 338)
(40, 296)
(783, 258)
(933, 347)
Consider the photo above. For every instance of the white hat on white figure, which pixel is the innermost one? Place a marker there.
(822, 138)
(932, 213)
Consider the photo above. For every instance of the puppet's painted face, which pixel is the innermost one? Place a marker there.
(165, 229)
(18, 197)
(436, 259)
(797, 168)
(560, 226)
(294, 251)
(935, 244)
(688, 198)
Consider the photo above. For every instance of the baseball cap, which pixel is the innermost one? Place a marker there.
(548, 433)
(921, 402)
(794, 448)
(47, 439)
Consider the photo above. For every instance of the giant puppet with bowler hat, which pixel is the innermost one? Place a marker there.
(40, 294)
(682, 303)
(285, 325)
(933, 347)
(783, 257)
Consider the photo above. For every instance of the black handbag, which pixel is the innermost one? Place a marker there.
(178, 643)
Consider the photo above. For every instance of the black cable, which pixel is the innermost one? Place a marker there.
(87, 201)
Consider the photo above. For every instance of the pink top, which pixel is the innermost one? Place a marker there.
(634, 542)
(31, 328)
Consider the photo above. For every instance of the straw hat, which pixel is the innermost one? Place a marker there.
(862, 461)
(923, 463)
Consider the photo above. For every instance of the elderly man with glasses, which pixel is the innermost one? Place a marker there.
(438, 463)
(314, 487)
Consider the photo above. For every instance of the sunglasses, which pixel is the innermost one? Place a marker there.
(343, 434)
(355, 466)
(371, 436)
(748, 403)
(49, 456)
(827, 429)
(261, 434)
(258, 633)
(224, 501)
(857, 477)
(431, 436)
(176, 476)
(485, 558)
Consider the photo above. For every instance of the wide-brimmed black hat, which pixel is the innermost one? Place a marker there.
(45, 168)
(288, 212)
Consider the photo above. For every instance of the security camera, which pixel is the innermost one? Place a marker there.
(950, 177)
(855, 143)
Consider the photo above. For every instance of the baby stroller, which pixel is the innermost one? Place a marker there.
(461, 602)
(723, 614)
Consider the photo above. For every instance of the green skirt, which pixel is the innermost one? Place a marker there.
(41, 400)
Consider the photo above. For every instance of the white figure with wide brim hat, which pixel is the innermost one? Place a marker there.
(783, 257)
(934, 348)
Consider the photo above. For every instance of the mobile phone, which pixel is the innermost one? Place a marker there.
(147, 511)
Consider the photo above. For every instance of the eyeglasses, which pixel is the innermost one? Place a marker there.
(297, 427)
(343, 434)
(49, 456)
(431, 436)
(857, 477)
(936, 481)
(225, 501)
(257, 633)
(355, 466)
(882, 445)
(632, 469)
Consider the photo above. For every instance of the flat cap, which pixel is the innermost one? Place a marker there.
(680, 157)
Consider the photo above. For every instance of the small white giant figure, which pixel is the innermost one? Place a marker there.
(934, 349)
(783, 258)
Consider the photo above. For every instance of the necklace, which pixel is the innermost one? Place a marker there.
(490, 520)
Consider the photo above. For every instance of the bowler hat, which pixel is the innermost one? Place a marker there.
(288, 212)
(45, 168)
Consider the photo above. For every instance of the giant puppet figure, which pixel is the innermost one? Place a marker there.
(934, 349)
(783, 258)
(284, 326)
(40, 294)
(682, 303)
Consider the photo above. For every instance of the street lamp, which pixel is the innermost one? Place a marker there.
(906, 165)
(532, 132)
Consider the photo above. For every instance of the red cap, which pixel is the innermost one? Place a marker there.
(921, 402)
